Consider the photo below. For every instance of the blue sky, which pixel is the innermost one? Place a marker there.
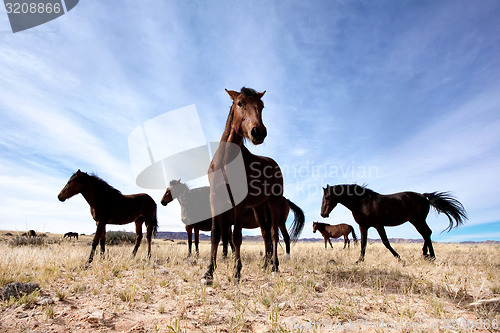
(400, 95)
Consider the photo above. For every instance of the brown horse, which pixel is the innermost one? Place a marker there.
(109, 206)
(240, 180)
(335, 231)
(71, 235)
(195, 206)
(31, 234)
(371, 209)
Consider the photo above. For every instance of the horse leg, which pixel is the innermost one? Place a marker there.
(138, 236)
(346, 241)
(265, 229)
(214, 240)
(286, 239)
(285, 210)
(197, 240)
(383, 236)
(426, 232)
(326, 242)
(189, 231)
(225, 242)
(102, 242)
(101, 228)
(275, 218)
(364, 236)
(237, 239)
(330, 241)
(149, 236)
(217, 221)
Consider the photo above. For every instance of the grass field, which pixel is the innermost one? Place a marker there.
(317, 290)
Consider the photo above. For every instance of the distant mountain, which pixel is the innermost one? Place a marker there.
(205, 237)
(178, 235)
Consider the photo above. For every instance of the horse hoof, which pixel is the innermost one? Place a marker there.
(207, 279)
(207, 282)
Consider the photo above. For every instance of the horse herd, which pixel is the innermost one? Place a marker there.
(224, 211)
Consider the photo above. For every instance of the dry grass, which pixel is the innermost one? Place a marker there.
(317, 290)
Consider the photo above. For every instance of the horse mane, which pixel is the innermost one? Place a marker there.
(103, 187)
(177, 182)
(321, 223)
(354, 189)
(249, 92)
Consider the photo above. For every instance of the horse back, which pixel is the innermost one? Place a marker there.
(393, 209)
(335, 231)
(126, 209)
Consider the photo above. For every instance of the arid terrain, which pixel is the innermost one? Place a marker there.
(316, 290)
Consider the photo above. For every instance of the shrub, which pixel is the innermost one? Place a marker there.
(120, 237)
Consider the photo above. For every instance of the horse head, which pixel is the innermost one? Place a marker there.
(73, 186)
(329, 202)
(175, 189)
(315, 226)
(246, 113)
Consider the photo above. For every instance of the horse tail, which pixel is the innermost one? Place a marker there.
(155, 224)
(353, 234)
(444, 203)
(298, 221)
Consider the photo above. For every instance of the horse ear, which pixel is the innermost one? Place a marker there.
(233, 94)
(261, 94)
(78, 173)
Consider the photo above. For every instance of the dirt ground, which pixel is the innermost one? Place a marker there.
(317, 290)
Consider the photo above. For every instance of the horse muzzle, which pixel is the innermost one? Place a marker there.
(258, 134)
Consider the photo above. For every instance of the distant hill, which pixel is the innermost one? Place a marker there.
(204, 237)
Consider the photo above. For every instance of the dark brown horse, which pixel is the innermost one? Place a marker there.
(335, 231)
(31, 233)
(195, 207)
(232, 191)
(195, 211)
(109, 206)
(71, 235)
(371, 209)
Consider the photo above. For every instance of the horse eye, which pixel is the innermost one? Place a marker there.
(240, 104)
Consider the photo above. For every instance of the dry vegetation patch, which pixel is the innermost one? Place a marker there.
(316, 290)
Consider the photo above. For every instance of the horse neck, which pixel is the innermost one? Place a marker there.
(320, 226)
(350, 201)
(180, 197)
(89, 193)
(230, 135)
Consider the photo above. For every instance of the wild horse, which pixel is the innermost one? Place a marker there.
(240, 180)
(71, 235)
(109, 206)
(335, 231)
(195, 207)
(371, 209)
